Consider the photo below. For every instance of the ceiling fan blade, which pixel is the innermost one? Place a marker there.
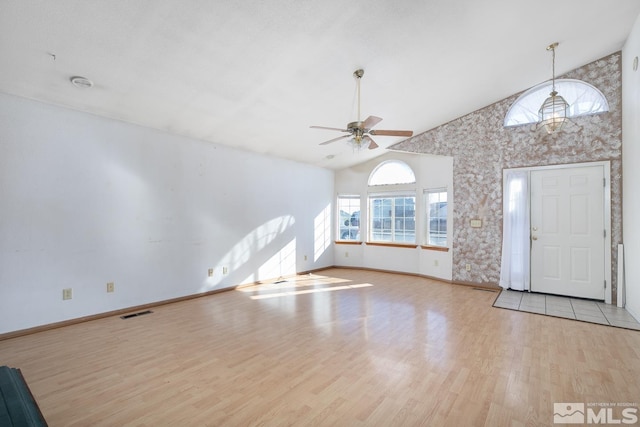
(334, 139)
(392, 132)
(324, 127)
(372, 143)
(371, 122)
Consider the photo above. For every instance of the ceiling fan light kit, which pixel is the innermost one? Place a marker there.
(359, 132)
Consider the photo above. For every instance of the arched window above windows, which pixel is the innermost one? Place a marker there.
(392, 172)
(583, 99)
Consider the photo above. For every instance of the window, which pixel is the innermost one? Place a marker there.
(392, 172)
(583, 99)
(392, 218)
(349, 218)
(436, 214)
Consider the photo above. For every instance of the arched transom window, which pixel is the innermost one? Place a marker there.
(583, 99)
(392, 172)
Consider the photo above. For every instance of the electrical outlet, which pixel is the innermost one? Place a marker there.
(468, 267)
(110, 287)
(346, 254)
(435, 263)
(67, 293)
(210, 272)
(225, 270)
(305, 257)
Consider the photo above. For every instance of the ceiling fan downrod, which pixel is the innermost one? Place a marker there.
(358, 75)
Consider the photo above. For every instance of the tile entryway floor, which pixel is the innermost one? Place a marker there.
(570, 308)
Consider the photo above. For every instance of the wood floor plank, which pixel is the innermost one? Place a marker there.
(338, 347)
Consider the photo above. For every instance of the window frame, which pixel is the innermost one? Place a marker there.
(393, 219)
(427, 216)
(357, 238)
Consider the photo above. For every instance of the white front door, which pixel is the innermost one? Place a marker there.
(567, 232)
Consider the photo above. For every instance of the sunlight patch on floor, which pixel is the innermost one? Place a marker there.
(310, 291)
(292, 283)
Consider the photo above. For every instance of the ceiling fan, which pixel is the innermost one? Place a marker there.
(361, 131)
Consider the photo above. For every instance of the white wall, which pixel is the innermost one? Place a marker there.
(431, 172)
(86, 200)
(630, 170)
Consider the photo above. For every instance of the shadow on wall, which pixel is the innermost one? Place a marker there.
(271, 246)
(321, 233)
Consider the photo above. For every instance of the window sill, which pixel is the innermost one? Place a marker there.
(435, 248)
(392, 245)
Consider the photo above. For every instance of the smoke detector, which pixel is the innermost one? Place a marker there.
(81, 82)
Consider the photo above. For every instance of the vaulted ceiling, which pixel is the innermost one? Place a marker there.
(256, 74)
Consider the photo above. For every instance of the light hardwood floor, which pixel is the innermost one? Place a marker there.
(340, 347)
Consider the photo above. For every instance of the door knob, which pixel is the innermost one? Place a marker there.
(534, 238)
(535, 228)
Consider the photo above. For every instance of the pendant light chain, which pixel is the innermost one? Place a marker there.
(553, 69)
(552, 48)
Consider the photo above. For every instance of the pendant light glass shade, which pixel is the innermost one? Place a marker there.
(553, 112)
(356, 142)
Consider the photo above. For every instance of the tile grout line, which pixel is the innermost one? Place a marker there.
(575, 315)
(520, 302)
(572, 309)
(605, 315)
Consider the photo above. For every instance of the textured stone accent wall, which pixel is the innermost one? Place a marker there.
(482, 148)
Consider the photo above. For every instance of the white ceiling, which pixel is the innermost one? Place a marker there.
(255, 74)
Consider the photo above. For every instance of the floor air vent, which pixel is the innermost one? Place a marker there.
(129, 316)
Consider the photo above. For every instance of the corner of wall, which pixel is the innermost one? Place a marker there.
(630, 172)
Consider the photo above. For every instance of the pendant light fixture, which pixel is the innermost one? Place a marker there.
(553, 112)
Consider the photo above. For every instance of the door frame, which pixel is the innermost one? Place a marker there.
(606, 166)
